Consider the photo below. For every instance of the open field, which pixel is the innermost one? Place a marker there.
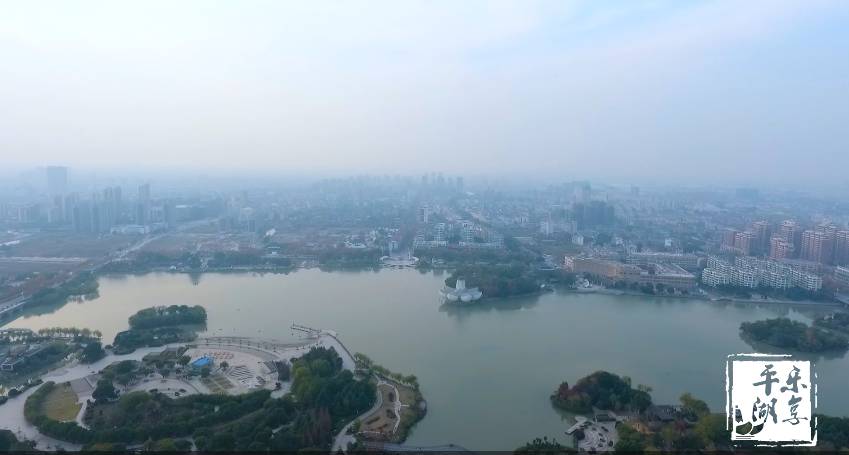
(181, 242)
(61, 404)
(70, 244)
(14, 267)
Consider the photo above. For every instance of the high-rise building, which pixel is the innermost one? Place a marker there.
(780, 248)
(791, 232)
(57, 180)
(763, 233)
(109, 208)
(728, 236)
(593, 214)
(143, 204)
(744, 242)
(817, 246)
(841, 248)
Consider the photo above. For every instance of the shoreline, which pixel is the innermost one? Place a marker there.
(619, 292)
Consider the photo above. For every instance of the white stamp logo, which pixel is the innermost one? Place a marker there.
(771, 400)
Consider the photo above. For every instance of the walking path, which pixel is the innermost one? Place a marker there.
(12, 413)
(340, 442)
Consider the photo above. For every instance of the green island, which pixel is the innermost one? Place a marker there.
(164, 316)
(158, 326)
(324, 397)
(835, 321)
(787, 334)
(507, 280)
(601, 390)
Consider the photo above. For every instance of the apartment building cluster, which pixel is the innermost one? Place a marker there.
(751, 272)
(824, 244)
(465, 234)
(651, 273)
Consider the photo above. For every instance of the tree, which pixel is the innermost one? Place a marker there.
(104, 390)
(630, 440)
(693, 407)
(225, 365)
(544, 445)
(712, 430)
(92, 352)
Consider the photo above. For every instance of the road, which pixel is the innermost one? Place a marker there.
(12, 413)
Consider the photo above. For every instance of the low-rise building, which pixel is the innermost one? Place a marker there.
(687, 261)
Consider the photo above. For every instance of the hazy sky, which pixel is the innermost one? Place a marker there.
(634, 90)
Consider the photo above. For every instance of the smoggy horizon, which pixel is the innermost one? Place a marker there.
(697, 93)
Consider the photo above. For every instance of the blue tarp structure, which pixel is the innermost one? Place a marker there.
(202, 362)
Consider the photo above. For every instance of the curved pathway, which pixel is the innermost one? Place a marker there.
(340, 442)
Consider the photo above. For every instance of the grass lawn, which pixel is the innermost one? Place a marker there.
(61, 404)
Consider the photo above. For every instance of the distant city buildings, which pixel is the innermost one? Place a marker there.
(611, 272)
(751, 272)
(686, 261)
(462, 233)
(780, 248)
(817, 246)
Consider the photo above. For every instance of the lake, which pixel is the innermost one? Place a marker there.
(487, 370)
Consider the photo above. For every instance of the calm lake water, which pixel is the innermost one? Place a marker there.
(486, 371)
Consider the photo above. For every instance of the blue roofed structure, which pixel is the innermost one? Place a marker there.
(201, 362)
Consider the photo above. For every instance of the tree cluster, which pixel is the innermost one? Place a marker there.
(167, 316)
(787, 334)
(602, 390)
(497, 280)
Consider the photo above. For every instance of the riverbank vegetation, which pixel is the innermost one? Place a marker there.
(544, 445)
(602, 390)
(368, 366)
(324, 398)
(787, 334)
(793, 294)
(130, 340)
(83, 284)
